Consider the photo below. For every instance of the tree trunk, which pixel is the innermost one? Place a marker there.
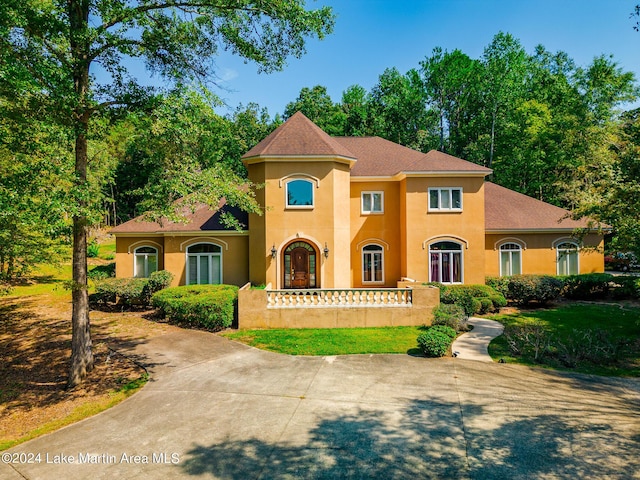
(81, 351)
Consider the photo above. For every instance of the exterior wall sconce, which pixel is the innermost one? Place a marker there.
(326, 250)
(274, 252)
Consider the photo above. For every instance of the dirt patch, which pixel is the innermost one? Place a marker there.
(35, 346)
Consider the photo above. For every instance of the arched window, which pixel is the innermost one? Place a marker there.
(445, 262)
(299, 194)
(145, 261)
(510, 259)
(567, 254)
(372, 264)
(204, 264)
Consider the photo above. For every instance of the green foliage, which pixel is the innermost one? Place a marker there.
(130, 292)
(528, 289)
(587, 286)
(210, 307)
(625, 287)
(448, 331)
(592, 338)
(435, 341)
(450, 315)
(93, 249)
(100, 272)
(474, 299)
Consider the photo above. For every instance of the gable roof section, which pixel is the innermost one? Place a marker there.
(378, 157)
(506, 210)
(435, 161)
(201, 219)
(299, 137)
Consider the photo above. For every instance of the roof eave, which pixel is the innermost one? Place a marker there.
(351, 161)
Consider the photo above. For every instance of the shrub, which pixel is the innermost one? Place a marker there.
(469, 297)
(625, 287)
(211, 307)
(434, 342)
(450, 315)
(93, 249)
(587, 286)
(499, 284)
(5, 288)
(129, 292)
(448, 331)
(100, 272)
(526, 289)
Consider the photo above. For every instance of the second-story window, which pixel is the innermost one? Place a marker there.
(372, 202)
(299, 194)
(445, 199)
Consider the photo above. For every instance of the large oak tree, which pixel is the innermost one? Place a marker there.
(49, 50)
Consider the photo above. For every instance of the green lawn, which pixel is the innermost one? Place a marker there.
(567, 325)
(331, 341)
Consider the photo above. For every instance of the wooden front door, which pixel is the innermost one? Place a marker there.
(299, 266)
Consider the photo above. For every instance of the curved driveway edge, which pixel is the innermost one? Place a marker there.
(218, 409)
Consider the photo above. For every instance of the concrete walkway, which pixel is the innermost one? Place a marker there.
(474, 344)
(216, 409)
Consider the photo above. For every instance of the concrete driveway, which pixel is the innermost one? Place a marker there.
(218, 409)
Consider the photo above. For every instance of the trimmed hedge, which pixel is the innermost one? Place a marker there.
(474, 299)
(450, 315)
(543, 289)
(436, 340)
(587, 286)
(211, 307)
(526, 289)
(129, 292)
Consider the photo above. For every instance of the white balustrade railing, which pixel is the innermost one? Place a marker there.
(342, 297)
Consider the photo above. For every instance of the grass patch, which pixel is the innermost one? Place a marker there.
(566, 325)
(331, 341)
(45, 279)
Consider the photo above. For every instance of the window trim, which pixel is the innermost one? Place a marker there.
(147, 273)
(576, 249)
(362, 269)
(372, 211)
(442, 209)
(205, 254)
(299, 207)
(440, 252)
(510, 251)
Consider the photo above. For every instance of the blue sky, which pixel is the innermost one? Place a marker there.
(372, 35)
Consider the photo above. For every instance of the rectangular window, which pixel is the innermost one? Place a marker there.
(372, 202)
(445, 199)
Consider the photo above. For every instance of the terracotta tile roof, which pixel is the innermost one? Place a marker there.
(298, 136)
(202, 219)
(509, 210)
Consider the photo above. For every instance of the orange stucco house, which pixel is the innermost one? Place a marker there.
(362, 212)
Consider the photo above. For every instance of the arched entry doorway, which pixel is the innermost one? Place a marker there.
(299, 266)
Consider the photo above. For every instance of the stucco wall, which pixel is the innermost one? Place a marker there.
(423, 227)
(379, 228)
(172, 255)
(253, 313)
(326, 223)
(539, 255)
